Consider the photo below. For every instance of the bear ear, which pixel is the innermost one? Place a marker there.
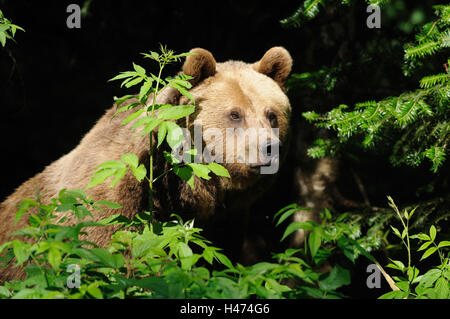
(199, 65)
(276, 63)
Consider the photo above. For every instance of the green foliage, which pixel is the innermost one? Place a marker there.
(118, 169)
(154, 260)
(159, 259)
(164, 120)
(434, 283)
(311, 8)
(7, 29)
(172, 260)
(415, 124)
(332, 238)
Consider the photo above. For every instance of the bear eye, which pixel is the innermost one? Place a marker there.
(235, 116)
(272, 118)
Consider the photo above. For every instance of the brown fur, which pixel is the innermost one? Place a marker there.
(219, 204)
(200, 65)
(276, 63)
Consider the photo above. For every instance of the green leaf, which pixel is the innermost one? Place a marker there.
(442, 289)
(182, 90)
(184, 250)
(145, 90)
(154, 55)
(24, 206)
(157, 284)
(111, 164)
(412, 273)
(118, 176)
(396, 294)
(429, 252)
(412, 212)
(2, 38)
(132, 116)
(396, 232)
(149, 123)
(218, 169)
(403, 285)
(404, 232)
(286, 208)
(114, 219)
(208, 254)
(4, 292)
(100, 176)
(75, 193)
(223, 259)
(108, 204)
(108, 259)
(185, 172)
(139, 69)
(130, 159)
(397, 264)
(286, 215)
(21, 251)
(5, 246)
(424, 245)
(185, 254)
(174, 135)
(54, 258)
(315, 239)
(428, 279)
(122, 99)
(175, 112)
(125, 108)
(162, 131)
(274, 285)
(171, 158)
(94, 291)
(122, 75)
(139, 172)
(444, 243)
(347, 248)
(182, 55)
(133, 82)
(296, 226)
(432, 232)
(200, 170)
(335, 279)
(421, 236)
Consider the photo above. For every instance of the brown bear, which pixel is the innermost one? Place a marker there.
(232, 94)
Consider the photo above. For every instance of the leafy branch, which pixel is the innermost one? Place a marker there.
(7, 29)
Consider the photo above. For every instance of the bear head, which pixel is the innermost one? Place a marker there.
(242, 112)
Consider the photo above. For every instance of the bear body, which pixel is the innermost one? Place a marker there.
(223, 91)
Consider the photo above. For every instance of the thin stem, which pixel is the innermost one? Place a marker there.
(167, 172)
(409, 245)
(163, 174)
(40, 268)
(150, 179)
(441, 257)
(405, 227)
